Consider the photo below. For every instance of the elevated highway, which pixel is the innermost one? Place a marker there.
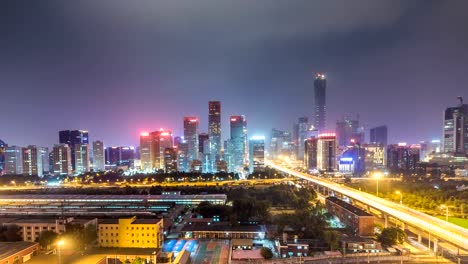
(437, 228)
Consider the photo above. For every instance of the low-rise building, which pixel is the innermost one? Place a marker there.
(17, 252)
(358, 220)
(224, 231)
(131, 233)
(359, 244)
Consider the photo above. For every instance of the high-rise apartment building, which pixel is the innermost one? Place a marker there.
(320, 87)
(326, 152)
(71, 138)
(13, 160)
(98, 156)
(238, 143)
(62, 159)
(214, 131)
(455, 138)
(82, 163)
(257, 154)
(191, 136)
(146, 155)
(378, 135)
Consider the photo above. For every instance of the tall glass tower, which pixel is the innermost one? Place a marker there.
(214, 131)
(320, 86)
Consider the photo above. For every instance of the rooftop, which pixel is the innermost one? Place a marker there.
(10, 248)
(348, 206)
(146, 221)
(224, 228)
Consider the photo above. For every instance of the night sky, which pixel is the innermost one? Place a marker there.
(118, 67)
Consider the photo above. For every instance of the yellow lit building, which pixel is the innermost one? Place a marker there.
(131, 233)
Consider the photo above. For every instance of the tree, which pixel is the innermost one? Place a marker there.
(332, 239)
(138, 260)
(47, 238)
(391, 236)
(266, 253)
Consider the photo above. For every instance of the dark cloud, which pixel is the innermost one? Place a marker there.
(116, 67)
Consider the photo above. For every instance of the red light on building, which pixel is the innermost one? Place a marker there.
(233, 119)
(193, 120)
(327, 135)
(144, 134)
(353, 140)
(165, 134)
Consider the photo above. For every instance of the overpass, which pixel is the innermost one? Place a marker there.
(437, 228)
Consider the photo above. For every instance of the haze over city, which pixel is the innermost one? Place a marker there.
(116, 68)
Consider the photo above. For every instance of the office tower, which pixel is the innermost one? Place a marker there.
(257, 154)
(204, 151)
(352, 160)
(202, 138)
(2, 156)
(32, 161)
(71, 138)
(170, 160)
(302, 130)
(402, 158)
(98, 156)
(62, 159)
(326, 152)
(348, 132)
(183, 163)
(196, 166)
(378, 135)
(310, 154)
(435, 146)
(280, 143)
(126, 156)
(191, 136)
(13, 160)
(320, 86)
(44, 158)
(112, 157)
(376, 156)
(146, 155)
(456, 129)
(238, 143)
(160, 140)
(214, 131)
(82, 158)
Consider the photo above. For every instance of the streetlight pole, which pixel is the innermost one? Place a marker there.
(59, 249)
(377, 176)
(446, 212)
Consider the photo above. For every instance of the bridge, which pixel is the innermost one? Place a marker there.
(427, 224)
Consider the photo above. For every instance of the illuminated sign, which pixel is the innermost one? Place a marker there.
(346, 159)
(193, 120)
(327, 135)
(165, 134)
(258, 138)
(233, 119)
(144, 134)
(402, 144)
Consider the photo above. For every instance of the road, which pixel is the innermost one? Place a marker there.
(454, 234)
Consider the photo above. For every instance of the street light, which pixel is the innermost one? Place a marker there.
(377, 175)
(446, 211)
(401, 196)
(60, 244)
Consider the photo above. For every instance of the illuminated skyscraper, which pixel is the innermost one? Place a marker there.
(126, 156)
(456, 129)
(326, 152)
(170, 160)
(257, 154)
(146, 155)
(82, 158)
(320, 86)
(13, 160)
(191, 136)
(280, 143)
(112, 157)
(302, 130)
(238, 143)
(204, 151)
(310, 154)
(98, 156)
(402, 158)
(378, 135)
(182, 160)
(35, 160)
(62, 159)
(214, 131)
(161, 140)
(71, 138)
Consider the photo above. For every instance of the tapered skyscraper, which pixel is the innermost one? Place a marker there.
(214, 131)
(320, 86)
(191, 136)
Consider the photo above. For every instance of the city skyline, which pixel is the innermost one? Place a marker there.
(118, 71)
